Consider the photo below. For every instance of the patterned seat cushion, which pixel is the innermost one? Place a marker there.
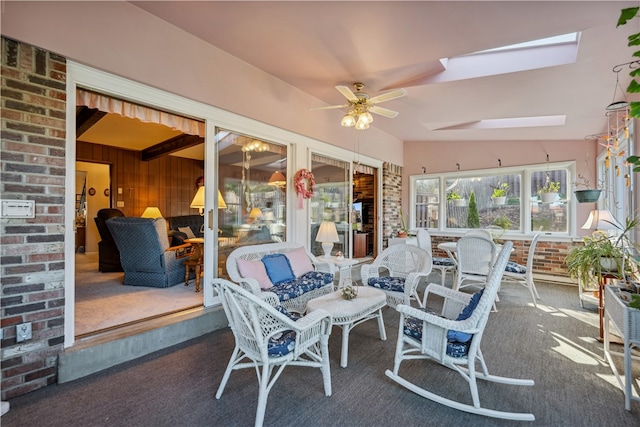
(442, 261)
(395, 284)
(512, 267)
(285, 342)
(413, 328)
(307, 282)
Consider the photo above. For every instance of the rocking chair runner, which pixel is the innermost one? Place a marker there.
(436, 340)
(266, 338)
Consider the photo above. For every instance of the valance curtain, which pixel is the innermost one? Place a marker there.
(108, 104)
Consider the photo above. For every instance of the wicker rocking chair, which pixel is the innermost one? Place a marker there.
(424, 335)
(268, 338)
(397, 271)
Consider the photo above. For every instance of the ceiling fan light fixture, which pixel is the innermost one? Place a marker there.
(348, 121)
(362, 124)
(367, 116)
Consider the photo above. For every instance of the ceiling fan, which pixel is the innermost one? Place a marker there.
(361, 106)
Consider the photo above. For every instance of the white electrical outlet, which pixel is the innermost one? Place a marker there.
(23, 332)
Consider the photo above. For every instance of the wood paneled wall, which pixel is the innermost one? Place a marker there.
(168, 182)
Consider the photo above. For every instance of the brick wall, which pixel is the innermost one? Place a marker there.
(32, 253)
(548, 260)
(391, 200)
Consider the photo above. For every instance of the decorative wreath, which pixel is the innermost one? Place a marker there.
(306, 191)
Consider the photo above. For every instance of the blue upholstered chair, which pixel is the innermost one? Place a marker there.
(145, 255)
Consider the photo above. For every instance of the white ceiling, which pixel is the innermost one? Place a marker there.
(315, 46)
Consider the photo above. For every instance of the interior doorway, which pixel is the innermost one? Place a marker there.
(365, 205)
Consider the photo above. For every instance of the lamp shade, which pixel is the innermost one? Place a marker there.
(600, 219)
(255, 213)
(221, 203)
(277, 179)
(151, 212)
(198, 199)
(327, 232)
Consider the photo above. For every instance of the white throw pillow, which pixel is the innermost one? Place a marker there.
(188, 231)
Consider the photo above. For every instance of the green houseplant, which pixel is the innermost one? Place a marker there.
(456, 198)
(585, 262)
(499, 195)
(549, 192)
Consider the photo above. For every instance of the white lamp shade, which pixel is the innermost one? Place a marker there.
(151, 212)
(600, 220)
(198, 199)
(327, 232)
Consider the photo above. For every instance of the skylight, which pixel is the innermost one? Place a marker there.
(548, 41)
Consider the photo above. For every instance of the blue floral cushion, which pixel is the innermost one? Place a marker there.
(413, 328)
(386, 283)
(285, 342)
(463, 337)
(512, 267)
(278, 268)
(444, 262)
(281, 344)
(307, 282)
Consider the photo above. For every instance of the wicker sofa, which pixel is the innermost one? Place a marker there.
(311, 277)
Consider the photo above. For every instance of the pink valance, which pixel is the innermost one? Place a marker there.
(108, 104)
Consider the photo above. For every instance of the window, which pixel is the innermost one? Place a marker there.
(330, 202)
(511, 198)
(254, 209)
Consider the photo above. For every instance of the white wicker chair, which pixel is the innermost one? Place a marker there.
(524, 275)
(424, 336)
(442, 264)
(402, 267)
(267, 339)
(475, 255)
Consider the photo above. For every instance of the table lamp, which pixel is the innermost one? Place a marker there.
(327, 235)
(600, 219)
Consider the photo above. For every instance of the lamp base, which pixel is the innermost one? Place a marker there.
(326, 248)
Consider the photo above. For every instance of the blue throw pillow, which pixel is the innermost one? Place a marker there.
(278, 268)
(456, 336)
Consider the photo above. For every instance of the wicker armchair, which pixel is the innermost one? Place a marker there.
(453, 340)
(397, 271)
(267, 337)
(475, 255)
(524, 274)
(442, 264)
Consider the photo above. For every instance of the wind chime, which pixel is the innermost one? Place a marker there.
(617, 123)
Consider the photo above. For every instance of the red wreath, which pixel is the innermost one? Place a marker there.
(301, 177)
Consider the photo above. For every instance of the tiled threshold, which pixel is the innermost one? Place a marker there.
(101, 351)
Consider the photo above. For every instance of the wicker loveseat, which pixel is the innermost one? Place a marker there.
(249, 266)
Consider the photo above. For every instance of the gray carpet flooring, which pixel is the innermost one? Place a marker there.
(553, 344)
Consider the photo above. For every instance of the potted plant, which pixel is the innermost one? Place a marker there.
(456, 198)
(499, 195)
(600, 254)
(549, 192)
(589, 194)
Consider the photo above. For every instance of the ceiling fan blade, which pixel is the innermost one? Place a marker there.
(398, 93)
(383, 111)
(331, 107)
(347, 93)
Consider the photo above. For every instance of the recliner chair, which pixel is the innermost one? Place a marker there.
(145, 254)
(108, 254)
